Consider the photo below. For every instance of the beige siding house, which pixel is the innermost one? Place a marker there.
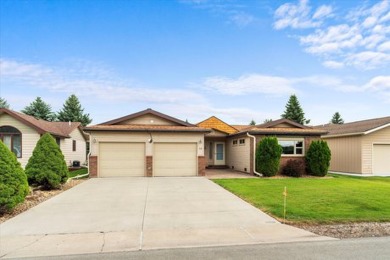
(233, 146)
(147, 143)
(361, 147)
(21, 133)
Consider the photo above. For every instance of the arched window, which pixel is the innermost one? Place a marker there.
(12, 138)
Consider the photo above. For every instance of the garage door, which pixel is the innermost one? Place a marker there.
(175, 159)
(381, 162)
(121, 159)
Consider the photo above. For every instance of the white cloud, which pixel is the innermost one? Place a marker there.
(368, 60)
(379, 83)
(298, 16)
(247, 84)
(323, 11)
(85, 82)
(333, 64)
(384, 47)
(358, 39)
(233, 13)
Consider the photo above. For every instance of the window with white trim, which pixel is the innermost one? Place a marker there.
(235, 142)
(12, 138)
(242, 141)
(292, 146)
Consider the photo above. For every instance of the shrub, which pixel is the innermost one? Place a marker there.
(294, 168)
(13, 180)
(268, 155)
(47, 166)
(318, 158)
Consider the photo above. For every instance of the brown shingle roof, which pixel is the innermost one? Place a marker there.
(60, 129)
(355, 128)
(151, 128)
(241, 127)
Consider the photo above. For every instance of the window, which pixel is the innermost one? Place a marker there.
(292, 147)
(12, 138)
(58, 141)
(74, 145)
(242, 141)
(211, 151)
(235, 142)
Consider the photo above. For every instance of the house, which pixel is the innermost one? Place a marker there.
(147, 143)
(150, 143)
(361, 147)
(234, 146)
(21, 132)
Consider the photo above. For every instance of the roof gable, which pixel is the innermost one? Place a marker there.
(217, 124)
(147, 117)
(282, 123)
(356, 128)
(60, 129)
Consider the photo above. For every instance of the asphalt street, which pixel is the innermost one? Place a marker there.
(363, 248)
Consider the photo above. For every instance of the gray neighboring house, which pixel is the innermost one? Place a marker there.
(361, 147)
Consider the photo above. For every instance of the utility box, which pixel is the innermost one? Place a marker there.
(76, 163)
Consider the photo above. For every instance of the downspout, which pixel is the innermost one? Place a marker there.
(88, 155)
(254, 155)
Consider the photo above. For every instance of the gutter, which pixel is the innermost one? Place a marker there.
(254, 155)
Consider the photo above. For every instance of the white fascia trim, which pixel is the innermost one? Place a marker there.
(376, 129)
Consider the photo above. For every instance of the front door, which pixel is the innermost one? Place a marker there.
(219, 158)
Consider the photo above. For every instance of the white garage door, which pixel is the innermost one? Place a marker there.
(381, 159)
(121, 159)
(175, 159)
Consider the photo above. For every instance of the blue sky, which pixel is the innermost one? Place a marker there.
(191, 59)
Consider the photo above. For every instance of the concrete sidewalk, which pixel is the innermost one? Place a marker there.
(124, 214)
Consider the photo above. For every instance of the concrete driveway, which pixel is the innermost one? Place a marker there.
(121, 214)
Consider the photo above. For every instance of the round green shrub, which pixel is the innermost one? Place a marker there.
(318, 158)
(47, 166)
(13, 181)
(294, 168)
(268, 155)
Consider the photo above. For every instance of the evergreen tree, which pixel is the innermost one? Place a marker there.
(267, 120)
(39, 109)
(268, 154)
(294, 111)
(3, 103)
(253, 122)
(336, 119)
(47, 165)
(72, 111)
(13, 180)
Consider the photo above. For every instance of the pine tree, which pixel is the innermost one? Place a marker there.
(336, 119)
(39, 109)
(294, 111)
(267, 120)
(72, 111)
(253, 122)
(47, 165)
(3, 103)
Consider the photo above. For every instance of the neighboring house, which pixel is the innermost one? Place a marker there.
(361, 147)
(21, 132)
(147, 143)
(234, 146)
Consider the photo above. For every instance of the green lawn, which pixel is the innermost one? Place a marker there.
(319, 200)
(78, 172)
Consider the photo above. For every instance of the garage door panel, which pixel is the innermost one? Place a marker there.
(175, 159)
(121, 159)
(381, 162)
